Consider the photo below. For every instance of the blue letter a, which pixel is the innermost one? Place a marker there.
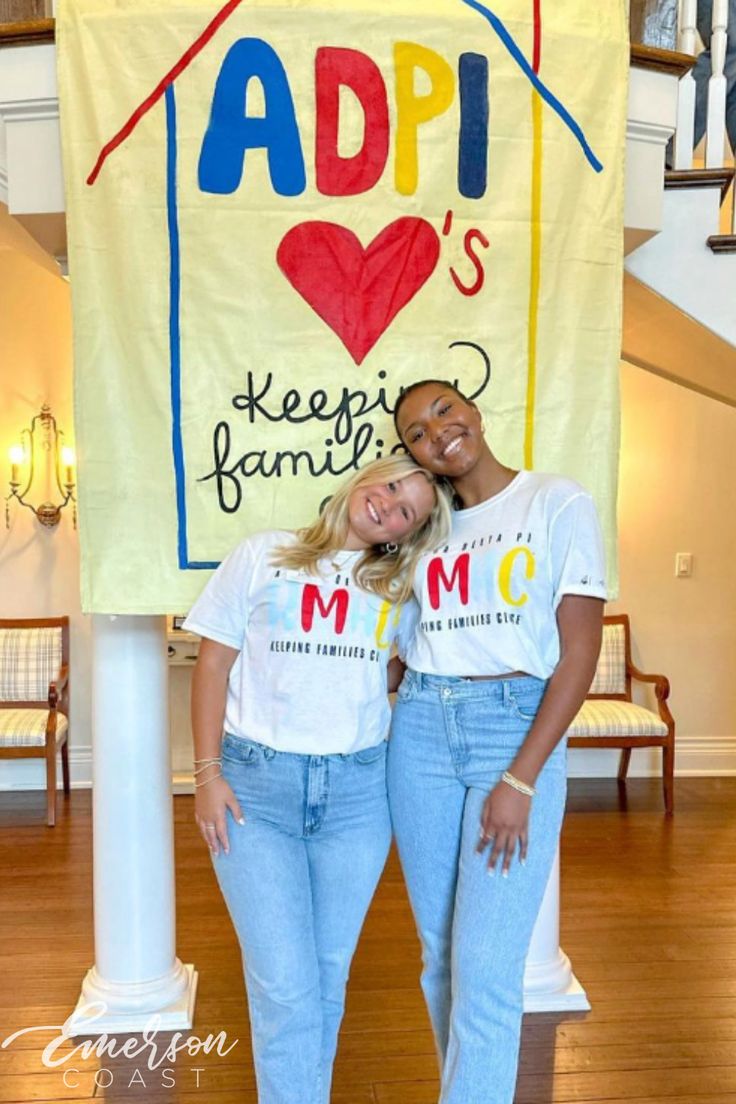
(231, 132)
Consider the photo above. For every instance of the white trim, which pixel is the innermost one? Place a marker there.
(30, 774)
(3, 164)
(14, 111)
(695, 756)
(657, 134)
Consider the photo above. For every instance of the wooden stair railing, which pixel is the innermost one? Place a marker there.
(31, 33)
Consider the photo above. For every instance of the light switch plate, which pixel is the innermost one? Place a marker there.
(683, 565)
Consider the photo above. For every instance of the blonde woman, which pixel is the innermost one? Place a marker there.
(290, 717)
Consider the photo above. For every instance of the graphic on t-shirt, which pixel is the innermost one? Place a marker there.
(313, 613)
(490, 577)
(489, 597)
(313, 648)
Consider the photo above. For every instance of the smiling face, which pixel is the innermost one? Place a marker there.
(441, 430)
(384, 512)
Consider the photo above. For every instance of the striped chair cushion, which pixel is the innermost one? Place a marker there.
(29, 660)
(616, 718)
(27, 727)
(610, 674)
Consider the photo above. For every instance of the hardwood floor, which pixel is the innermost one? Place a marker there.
(648, 919)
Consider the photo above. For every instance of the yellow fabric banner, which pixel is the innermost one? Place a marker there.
(281, 211)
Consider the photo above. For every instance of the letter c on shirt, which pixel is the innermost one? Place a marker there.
(382, 623)
(506, 569)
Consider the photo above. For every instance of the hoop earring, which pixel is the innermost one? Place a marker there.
(390, 548)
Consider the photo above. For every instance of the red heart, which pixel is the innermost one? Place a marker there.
(358, 292)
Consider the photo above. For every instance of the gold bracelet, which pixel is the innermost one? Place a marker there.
(198, 785)
(206, 766)
(211, 759)
(517, 784)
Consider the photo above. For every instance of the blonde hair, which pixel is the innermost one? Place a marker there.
(387, 574)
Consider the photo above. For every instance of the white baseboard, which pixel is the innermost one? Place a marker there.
(695, 756)
(30, 774)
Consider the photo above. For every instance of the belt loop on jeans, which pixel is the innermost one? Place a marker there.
(506, 683)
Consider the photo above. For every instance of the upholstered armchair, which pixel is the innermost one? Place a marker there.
(34, 696)
(609, 718)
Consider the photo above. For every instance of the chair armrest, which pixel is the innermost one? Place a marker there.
(57, 686)
(661, 691)
(661, 683)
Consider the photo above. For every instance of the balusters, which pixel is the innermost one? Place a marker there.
(683, 151)
(715, 134)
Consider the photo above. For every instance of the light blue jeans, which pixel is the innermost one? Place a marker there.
(298, 882)
(451, 740)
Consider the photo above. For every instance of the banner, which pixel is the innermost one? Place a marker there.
(280, 212)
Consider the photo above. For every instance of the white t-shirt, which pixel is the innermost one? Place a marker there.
(311, 674)
(488, 598)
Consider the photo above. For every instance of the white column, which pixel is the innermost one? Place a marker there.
(136, 974)
(684, 134)
(549, 983)
(715, 134)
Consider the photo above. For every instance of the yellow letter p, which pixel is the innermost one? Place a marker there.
(411, 110)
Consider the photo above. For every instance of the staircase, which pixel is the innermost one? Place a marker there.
(680, 282)
(680, 265)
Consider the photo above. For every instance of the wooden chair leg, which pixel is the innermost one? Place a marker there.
(623, 765)
(668, 777)
(65, 766)
(51, 789)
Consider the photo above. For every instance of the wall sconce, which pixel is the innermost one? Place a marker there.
(43, 434)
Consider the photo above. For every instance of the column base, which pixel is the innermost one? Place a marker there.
(92, 1015)
(551, 986)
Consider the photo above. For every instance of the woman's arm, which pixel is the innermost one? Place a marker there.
(505, 815)
(395, 673)
(209, 692)
(580, 624)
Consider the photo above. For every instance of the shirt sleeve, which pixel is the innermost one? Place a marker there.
(577, 559)
(221, 611)
(409, 619)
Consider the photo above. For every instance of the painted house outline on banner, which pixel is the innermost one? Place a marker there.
(165, 89)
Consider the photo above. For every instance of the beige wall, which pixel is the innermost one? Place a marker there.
(676, 495)
(39, 568)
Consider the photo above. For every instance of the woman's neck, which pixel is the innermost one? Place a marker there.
(487, 478)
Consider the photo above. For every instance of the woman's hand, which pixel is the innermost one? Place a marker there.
(211, 803)
(504, 824)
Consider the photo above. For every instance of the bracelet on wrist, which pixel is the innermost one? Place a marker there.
(516, 784)
(198, 785)
(207, 766)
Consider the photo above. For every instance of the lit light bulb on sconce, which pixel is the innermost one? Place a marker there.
(68, 459)
(17, 457)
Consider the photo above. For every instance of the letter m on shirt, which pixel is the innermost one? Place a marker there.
(459, 577)
(312, 598)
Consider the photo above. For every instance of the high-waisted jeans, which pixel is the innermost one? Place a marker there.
(451, 740)
(298, 882)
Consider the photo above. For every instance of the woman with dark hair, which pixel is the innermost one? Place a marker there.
(290, 716)
(504, 653)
